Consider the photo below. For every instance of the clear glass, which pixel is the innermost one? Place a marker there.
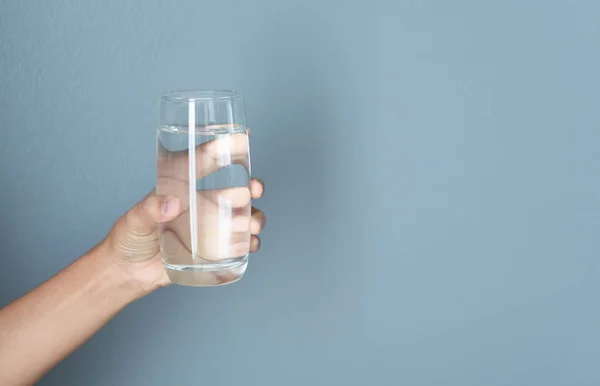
(203, 157)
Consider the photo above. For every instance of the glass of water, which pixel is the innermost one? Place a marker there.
(203, 157)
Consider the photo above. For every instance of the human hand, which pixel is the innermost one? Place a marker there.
(133, 243)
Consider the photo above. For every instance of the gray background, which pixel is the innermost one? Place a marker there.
(433, 185)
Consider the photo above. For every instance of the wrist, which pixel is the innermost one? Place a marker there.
(118, 273)
(142, 275)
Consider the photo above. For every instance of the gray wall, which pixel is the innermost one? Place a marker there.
(433, 194)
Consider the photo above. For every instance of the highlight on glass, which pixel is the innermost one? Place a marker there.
(203, 157)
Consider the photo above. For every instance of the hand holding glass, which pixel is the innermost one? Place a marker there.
(203, 157)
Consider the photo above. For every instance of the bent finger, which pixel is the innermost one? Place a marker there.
(210, 156)
(257, 188)
(144, 217)
(257, 221)
(254, 244)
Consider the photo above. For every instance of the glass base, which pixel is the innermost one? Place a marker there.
(207, 274)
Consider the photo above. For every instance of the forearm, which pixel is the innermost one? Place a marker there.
(41, 328)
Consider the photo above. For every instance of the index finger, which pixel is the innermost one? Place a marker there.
(224, 150)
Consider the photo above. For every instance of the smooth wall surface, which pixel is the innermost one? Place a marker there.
(433, 185)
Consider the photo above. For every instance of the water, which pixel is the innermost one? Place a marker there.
(209, 243)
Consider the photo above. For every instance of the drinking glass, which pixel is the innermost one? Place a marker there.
(203, 157)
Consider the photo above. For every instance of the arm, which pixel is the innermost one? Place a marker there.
(40, 329)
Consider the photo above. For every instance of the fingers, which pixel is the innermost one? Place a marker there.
(257, 188)
(257, 221)
(236, 197)
(219, 237)
(231, 197)
(254, 244)
(210, 156)
(152, 210)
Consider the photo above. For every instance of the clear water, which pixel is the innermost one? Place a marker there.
(209, 242)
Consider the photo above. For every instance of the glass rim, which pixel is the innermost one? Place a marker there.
(199, 95)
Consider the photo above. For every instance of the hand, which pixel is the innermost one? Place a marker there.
(133, 243)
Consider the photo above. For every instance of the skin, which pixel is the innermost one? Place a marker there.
(216, 240)
(48, 323)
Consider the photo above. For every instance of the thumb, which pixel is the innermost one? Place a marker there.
(144, 217)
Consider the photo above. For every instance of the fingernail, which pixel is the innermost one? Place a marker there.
(166, 205)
